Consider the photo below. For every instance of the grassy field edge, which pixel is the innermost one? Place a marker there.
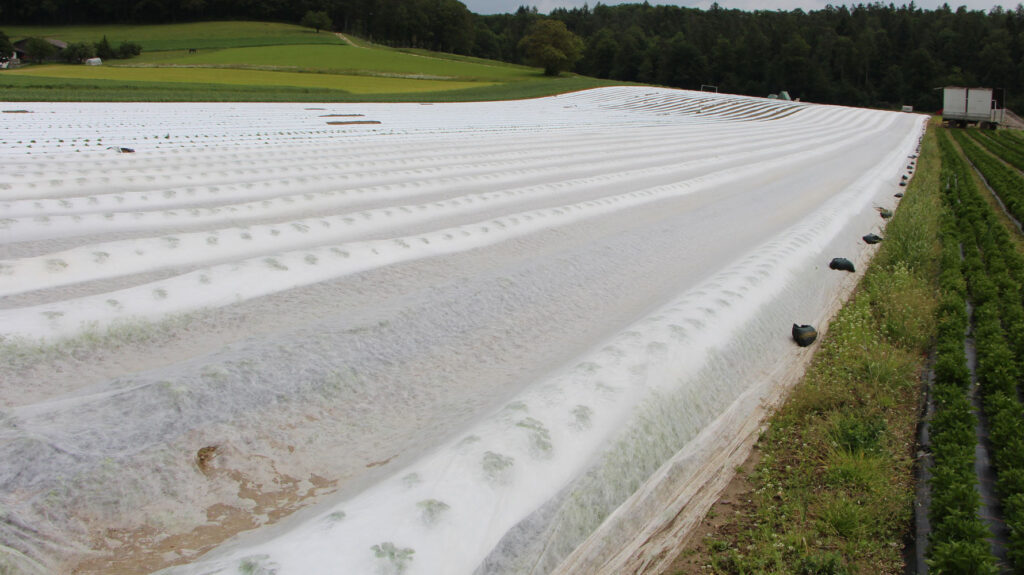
(833, 487)
(270, 62)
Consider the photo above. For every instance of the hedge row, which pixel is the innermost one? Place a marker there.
(994, 271)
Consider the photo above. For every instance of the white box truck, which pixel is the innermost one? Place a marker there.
(963, 106)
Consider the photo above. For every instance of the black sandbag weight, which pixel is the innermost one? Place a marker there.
(841, 264)
(804, 335)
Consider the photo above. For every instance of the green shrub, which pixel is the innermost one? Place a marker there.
(128, 49)
(104, 51)
(78, 52)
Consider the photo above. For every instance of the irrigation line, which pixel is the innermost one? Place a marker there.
(990, 510)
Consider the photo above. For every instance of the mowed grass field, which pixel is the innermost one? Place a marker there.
(344, 59)
(181, 36)
(267, 62)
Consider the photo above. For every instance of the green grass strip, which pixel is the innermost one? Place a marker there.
(834, 489)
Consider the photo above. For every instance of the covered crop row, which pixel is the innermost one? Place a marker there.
(402, 341)
(1005, 181)
(994, 271)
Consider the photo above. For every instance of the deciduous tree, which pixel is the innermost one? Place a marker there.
(550, 45)
(6, 49)
(317, 20)
(78, 52)
(128, 49)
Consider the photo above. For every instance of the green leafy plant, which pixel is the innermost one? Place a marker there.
(396, 560)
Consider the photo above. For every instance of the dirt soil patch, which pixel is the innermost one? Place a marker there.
(732, 502)
(143, 550)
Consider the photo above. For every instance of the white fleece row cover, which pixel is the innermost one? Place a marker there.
(450, 342)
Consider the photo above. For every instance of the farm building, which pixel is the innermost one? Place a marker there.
(21, 47)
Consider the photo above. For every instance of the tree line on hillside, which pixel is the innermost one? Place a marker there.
(863, 55)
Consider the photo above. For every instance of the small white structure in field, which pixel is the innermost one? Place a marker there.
(93, 62)
(908, 109)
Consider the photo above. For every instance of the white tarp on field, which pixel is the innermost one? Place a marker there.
(456, 340)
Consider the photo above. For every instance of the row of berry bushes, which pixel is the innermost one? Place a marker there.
(958, 539)
(994, 272)
(1009, 149)
(1005, 181)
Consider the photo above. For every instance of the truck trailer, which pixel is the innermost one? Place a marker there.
(964, 106)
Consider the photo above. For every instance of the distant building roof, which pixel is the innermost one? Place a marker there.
(59, 44)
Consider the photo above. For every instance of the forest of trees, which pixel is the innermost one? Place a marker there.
(866, 55)
(876, 54)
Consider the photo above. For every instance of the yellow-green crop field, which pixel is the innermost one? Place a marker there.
(351, 84)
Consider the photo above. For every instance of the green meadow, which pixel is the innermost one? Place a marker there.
(197, 35)
(341, 59)
(259, 61)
